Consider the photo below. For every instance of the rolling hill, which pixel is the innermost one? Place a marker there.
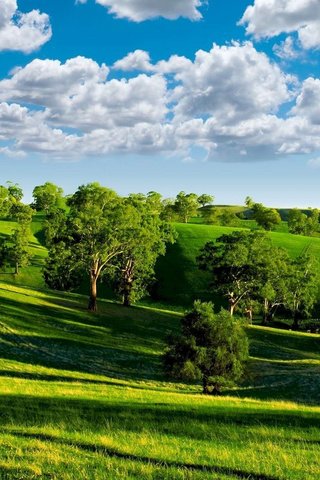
(83, 396)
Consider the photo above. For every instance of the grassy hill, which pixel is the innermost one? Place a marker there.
(83, 397)
(179, 279)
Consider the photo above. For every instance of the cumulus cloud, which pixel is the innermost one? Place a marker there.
(231, 83)
(226, 101)
(269, 18)
(23, 32)
(140, 10)
(137, 60)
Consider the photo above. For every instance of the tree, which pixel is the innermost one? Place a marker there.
(99, 227)
(267, 218)
(63, 270)
(302, 287)
(211, 347)
(17, 251)
(47, 196)
(233, 264)
(186, 205)
(205, 199)
(134, 267)
(272, 287)
(301, 224)
(15, 191)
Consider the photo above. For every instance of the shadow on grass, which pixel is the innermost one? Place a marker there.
(205, 422)
(113, 453)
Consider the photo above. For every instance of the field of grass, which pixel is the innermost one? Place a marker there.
(83, 397)
(179, 279)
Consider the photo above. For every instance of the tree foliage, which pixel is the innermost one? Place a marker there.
(212, 347)
(47, 196)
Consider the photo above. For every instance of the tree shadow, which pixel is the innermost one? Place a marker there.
(158, 463)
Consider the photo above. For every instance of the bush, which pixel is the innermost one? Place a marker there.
(212, 348)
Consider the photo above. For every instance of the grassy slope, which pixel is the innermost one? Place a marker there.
(181, 282)
(83, 397)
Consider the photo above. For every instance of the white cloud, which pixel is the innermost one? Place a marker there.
(269, 18)
(231, 83)
(23, 32)
(287, 49)
(308, 101)
(137, 60)
(226, 102)
(140, 10)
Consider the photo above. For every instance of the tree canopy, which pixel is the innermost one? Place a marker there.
(212, 347)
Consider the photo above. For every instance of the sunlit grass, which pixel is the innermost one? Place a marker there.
(83, 396)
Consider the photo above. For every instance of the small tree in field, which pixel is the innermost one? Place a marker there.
(212, 348)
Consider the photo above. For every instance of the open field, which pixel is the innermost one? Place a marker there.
(83, 396)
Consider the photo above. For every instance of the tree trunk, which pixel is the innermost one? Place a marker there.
(205, 385)
(92, 305)
(126, 301)
(295, 324)
(232, 306)
(16, 270)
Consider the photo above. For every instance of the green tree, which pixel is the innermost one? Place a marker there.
(134, 267)
(211, 347)
(233, 264)
(186, 205)
(17, 250)
(303, 286)
(15, 191)
(47, 196)
(267, 218)
(99, 227)
(205, 199)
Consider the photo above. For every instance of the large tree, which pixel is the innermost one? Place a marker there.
(134, 267)
(99, 228)
(233, 262)
(211, 347)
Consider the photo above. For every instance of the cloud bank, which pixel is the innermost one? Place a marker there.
(227, 100)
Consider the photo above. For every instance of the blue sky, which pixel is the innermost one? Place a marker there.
(217, 97)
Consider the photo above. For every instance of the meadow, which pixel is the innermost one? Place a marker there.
(83, 395)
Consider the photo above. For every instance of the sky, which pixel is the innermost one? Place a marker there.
(216, 96)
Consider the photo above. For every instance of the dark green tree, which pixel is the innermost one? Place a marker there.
(212, 348)
(267, 218)
(233, 262)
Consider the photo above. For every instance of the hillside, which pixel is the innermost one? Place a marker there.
(179, 279)
(83, 396)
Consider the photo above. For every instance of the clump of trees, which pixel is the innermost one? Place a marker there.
(301, 224)
(184, 206)
(105, 235)
(212, 348)
(251, 272)
(266, 218)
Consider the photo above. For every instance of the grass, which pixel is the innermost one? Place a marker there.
(180, 281)
(83, 397)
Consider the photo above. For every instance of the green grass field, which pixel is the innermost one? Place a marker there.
(180, 281)
(83, 397)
